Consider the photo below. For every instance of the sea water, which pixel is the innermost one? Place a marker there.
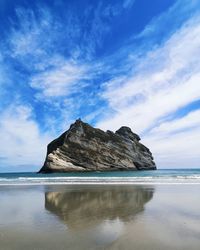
(161, 176)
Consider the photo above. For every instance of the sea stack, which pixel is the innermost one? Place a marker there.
(84, 148)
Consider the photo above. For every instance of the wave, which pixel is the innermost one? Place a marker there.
(179, 179)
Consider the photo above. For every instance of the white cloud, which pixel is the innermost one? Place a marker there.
(190, 121)
(60, 79)
(176, 143)
(22, 143)
(4, 72)
(180, 150)
(28, 38)
(176, 14)
(128, 3)
(164, 81)
(35, 44)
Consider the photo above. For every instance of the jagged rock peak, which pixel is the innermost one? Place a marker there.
(127, 133)
(84, 148)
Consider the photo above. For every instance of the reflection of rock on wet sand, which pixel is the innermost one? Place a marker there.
(86, 207)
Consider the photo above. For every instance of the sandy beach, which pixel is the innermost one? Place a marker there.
(100, 217)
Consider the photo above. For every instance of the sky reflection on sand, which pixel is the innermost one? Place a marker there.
(100, 217)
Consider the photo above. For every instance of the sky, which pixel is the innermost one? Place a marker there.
(111, 63)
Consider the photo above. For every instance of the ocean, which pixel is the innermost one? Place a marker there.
(161, 176)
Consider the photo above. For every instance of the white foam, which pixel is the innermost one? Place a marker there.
(193, 179)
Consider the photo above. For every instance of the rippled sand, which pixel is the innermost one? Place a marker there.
(156, 217)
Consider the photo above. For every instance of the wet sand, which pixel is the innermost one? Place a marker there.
(100, 217)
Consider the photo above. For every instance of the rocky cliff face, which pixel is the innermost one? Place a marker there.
(84, 148)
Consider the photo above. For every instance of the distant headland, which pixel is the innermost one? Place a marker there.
(84, 148)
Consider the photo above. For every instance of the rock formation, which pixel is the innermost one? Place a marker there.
(84, 148)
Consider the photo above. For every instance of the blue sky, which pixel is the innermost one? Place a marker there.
(111, 63)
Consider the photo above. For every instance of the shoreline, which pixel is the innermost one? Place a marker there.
(160, 177)
(98, 183)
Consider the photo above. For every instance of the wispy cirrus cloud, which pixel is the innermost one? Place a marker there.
(162, 82)
(61, 79)
(165, 80)
(128, 3)
(53, 67)
(176, 142)
(39, 34)
(191, 121)
(155, 29)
